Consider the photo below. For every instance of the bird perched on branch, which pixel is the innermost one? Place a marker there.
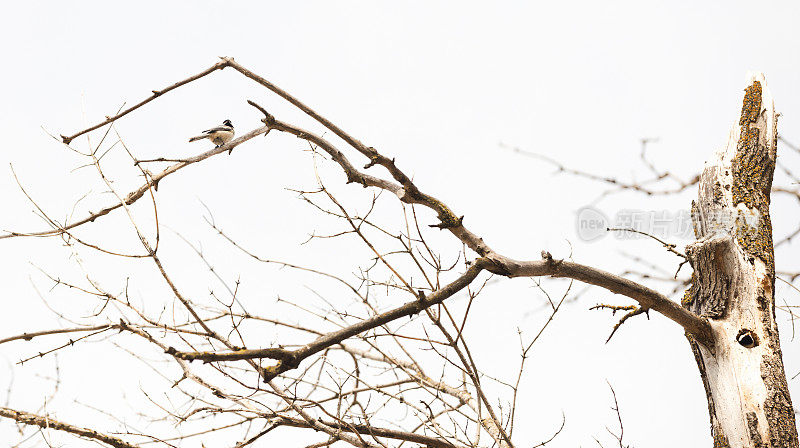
(219, 134)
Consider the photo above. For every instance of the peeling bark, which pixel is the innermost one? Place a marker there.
(733, 285)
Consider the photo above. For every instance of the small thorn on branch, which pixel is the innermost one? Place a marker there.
(548, 258)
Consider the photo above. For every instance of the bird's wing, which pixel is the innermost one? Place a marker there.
(217, 129)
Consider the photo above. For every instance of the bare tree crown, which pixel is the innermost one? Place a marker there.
(388, 373)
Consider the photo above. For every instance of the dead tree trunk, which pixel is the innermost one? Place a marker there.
(734, 285)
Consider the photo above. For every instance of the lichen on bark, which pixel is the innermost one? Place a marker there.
(753, 168)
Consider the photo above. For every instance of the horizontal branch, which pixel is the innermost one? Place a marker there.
(270, 353)
(26, 418)
(634, 186)
(31, 335)
(370, 430)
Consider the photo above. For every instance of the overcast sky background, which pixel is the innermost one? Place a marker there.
(441, 86)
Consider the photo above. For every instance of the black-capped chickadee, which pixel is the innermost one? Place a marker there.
(219, 135)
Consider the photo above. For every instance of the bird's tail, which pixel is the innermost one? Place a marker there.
(199, 137)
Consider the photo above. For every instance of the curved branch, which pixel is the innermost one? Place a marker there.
(647, 298)
(499, 264)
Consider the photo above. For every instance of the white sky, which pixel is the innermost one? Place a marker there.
(438, 85)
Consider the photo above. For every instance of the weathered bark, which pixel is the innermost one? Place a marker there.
(733, 285)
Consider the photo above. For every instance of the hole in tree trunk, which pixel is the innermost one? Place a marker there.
(746, 338)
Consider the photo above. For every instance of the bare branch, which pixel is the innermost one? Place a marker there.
(509, 267)
(290, 360)
(632, 311)
(271, 353)
(332, 392)
(669, 246)
(152, 182)
(26, 418)
(156, 93)
(372, 431)
(31, 335)
(647, 298)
